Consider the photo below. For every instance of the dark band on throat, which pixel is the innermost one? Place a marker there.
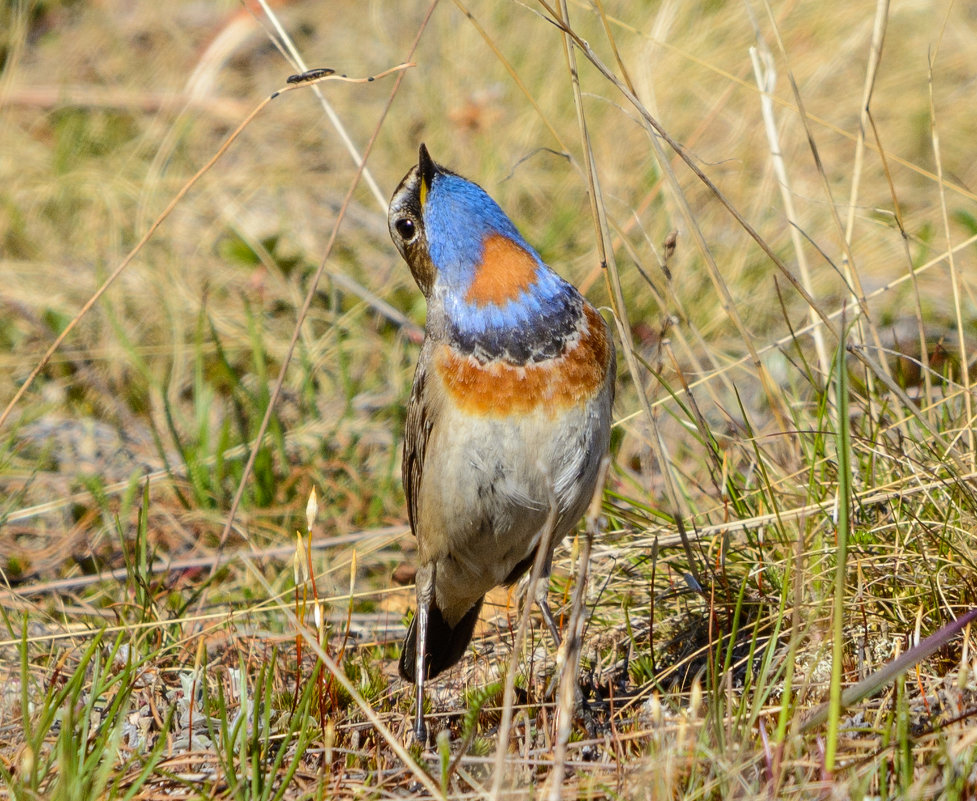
(544, 336)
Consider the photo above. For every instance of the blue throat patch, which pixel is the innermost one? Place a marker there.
(459, 216)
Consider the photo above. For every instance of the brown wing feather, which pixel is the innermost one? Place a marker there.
(416, 434)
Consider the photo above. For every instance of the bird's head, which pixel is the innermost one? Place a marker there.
(452, 234)
(482, 281)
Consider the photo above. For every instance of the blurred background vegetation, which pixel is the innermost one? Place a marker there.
(109, 108)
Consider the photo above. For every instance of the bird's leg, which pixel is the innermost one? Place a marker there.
(541, 592)
(425, 594)
(541, 598)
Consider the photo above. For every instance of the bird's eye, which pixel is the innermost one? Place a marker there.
(406, 228)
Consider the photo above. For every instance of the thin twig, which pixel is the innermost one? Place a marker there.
(96, 296)
(314, 283)
(358, 159)
(850, 270)
(765, 72)
(567, 694)
(508, 695)
(163, 567)
(676, 503)
(954, 273)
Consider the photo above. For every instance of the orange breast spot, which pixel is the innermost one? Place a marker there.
(506, 271)
(498, 388)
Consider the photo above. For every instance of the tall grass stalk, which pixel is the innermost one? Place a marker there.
(839, 613)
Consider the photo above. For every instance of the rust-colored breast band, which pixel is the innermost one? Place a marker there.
(499, 388)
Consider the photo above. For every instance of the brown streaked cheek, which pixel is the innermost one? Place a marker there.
(421, 268)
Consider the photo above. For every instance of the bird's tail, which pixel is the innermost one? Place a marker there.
(445, 644)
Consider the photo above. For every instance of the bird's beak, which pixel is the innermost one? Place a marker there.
(427, 169)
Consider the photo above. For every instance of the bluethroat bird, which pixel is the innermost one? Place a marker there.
(510, 407)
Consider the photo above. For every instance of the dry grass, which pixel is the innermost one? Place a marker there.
(150, 646)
